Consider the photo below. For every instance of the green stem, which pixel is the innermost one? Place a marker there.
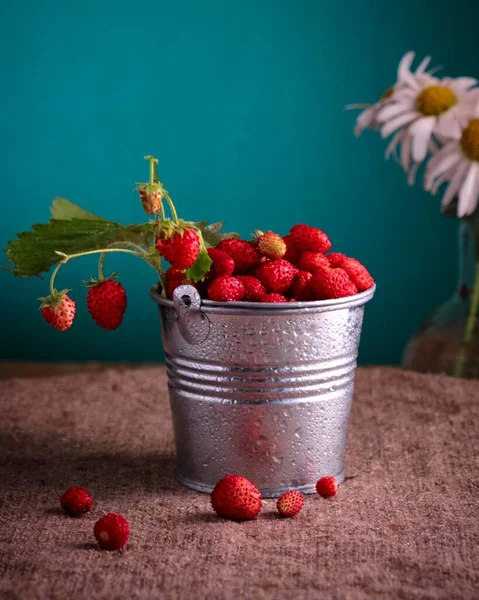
(470, 326)
(67, 257)
(141, 252)
(172, 207)
(153, 163)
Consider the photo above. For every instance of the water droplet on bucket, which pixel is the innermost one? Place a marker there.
(262, 440)
(298, 432)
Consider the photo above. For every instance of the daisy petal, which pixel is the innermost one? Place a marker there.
(469, 191)
(461, 84)
(397, 122)
(393, 144)
(404, 70)
(447, 161)
(420, 132)
(439, 181)
(423, 65)
(406, 153)
(448, 127)
(455, 184)
(411, 178)
(393, 110)
(365, 120)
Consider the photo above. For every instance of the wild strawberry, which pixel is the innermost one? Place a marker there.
(310, 261)
(290, 503)
(357, 272)
(180, 248)
(76, 501)
(106, 302)
(309, 238)
(112, 531)
(335, 258)
(226, 289)
(331, 283)
(275, 298)
(244, 254)
(276, 275)
(223, 264)
(293, 253)
(270, 244)
(236, 498)
(151, 197)
(58, 310)
(254, 289)
(327, 486)
(301, 288)
(174, 278)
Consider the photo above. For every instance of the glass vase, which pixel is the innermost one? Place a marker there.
(448, 342)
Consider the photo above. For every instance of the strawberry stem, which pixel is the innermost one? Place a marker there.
(172, 207)
(153, 163)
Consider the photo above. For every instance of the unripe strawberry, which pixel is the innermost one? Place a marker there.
(58, 310)
(151, 198)
(270, 244)
(290, 503)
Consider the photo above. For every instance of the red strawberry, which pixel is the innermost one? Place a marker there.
(253, 286)
(223, 264)
(76, 501)
(226, 289)
(58, 310)
(106, 302)
(112, 531)
(335, 258)
(357, 272)
(235, 497)
(270, 244)
(301, 289)
(174, 278)
(180, 249)
(331, 283)
(290, 503)
(273, 298)
(293, 253)
(310, 238)
(151, 196)
(276, 275)
(244, 254)
(310, 261)
(327, 486)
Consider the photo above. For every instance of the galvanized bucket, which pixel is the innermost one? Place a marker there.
(260, 390)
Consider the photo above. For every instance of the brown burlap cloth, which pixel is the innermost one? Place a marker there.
(404, 525)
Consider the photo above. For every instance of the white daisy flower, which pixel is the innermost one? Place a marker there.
(421, 107)
(458, 163)
(368, 118)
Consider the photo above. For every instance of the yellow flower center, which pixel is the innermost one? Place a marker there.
(388, 93)
(435, 100)
(470, 140)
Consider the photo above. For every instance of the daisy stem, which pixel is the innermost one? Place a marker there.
(473, 311)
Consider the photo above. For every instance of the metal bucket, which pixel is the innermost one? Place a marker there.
(260, 390)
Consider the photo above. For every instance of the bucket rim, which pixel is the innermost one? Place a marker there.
(271, 307)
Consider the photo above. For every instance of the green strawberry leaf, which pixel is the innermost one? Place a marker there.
(212, 233)
(202, 264)
(33, 252)
(63, 209)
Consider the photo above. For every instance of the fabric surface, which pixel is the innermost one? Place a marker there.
(404, 524)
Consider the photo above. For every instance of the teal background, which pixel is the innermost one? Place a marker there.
(243, 103)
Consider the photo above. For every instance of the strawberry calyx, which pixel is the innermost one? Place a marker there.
(93, 281)
(54, 299)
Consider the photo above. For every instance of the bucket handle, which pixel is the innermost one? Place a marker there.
(193, 323)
